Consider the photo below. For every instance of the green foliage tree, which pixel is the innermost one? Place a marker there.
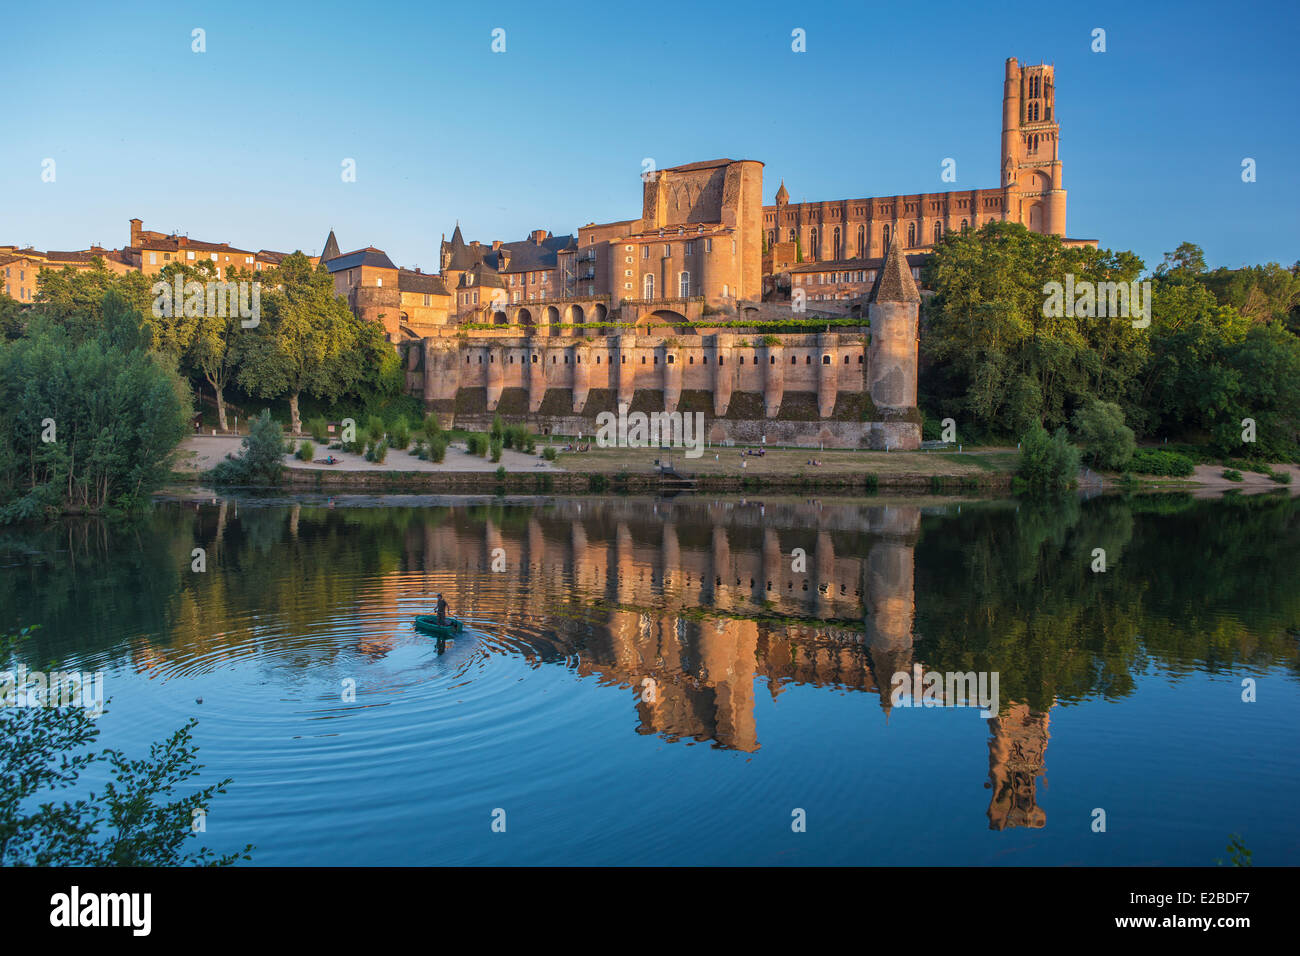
(306, 340)
(1104, 440)
(1188, 259)
(209, 345)
(993, 355)
(74, 298)
(11, 317)
(86, 425)
(1048, 463)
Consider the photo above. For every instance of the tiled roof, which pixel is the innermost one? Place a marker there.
(706, 164)
(529, 256)
(408, 281)
(369, 256)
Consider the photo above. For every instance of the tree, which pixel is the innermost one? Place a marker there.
(75, 297)
(1104, 439)
(1048, 463)
(1188, 258)
(304, 340)
(213, 344)
(11, 317)
(996, 355)
(89, 425)
(1265, 367)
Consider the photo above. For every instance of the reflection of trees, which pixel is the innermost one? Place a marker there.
(1010, 588)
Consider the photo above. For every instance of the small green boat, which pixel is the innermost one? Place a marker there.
(429, 624)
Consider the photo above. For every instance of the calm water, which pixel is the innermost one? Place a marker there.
(651, 682)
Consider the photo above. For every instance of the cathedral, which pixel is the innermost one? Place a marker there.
(702, 302)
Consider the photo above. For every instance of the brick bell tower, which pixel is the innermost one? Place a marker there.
(1031, 142)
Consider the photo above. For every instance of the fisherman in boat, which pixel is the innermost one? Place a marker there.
(442, 610)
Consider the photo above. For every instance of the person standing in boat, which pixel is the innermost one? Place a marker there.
(441, 610)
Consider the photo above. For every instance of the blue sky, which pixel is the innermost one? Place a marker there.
(244, 143)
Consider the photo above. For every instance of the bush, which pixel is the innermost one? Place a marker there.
(1048, 463)
(260, 460)
(549, 453)
(476, 443)
(376, 452)
(1281, 477)
(420, 451)
(530, 445)
(430, 427)
(399, 434)
(1104, 439)
(305, 451)
(1232, 474)
(375, 429)
(497, 429)
(501, 473)
(1151, 461)
(438, 447)
(496, 449)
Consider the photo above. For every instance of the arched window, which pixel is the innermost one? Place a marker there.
(836, 240)
(1033, 112)
(911, 235)
(884, 239)
(792, 239)
(684, 285)
(771, 238)
(965, 225)
(938, 231)
(724, 291)
(649, 286)
(812, 244)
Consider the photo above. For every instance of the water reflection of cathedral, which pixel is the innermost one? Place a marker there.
(686, 603)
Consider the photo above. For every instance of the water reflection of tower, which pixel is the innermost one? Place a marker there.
(889, 596)
(1017, 758)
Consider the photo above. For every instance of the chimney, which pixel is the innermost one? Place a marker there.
(538, 235)
(136, 226)
(496, 244)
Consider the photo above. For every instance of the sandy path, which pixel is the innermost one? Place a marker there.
(1209, 478)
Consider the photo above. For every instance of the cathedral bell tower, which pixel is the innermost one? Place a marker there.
(1031, 159)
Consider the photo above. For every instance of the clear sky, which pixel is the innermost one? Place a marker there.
(244, 143)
